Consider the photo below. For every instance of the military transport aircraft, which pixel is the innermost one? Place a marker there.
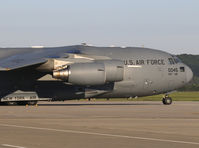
(73, 72)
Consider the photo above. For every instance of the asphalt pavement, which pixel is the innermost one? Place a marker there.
(95, 124)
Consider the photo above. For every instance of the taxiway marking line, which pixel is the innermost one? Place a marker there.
(14, 146)
(101, 134)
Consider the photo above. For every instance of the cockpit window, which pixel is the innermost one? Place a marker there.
(174, 60)
(171, 61)
(177, 60)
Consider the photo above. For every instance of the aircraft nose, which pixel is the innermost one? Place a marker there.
(189, 74)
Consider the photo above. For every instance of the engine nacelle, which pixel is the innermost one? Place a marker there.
(114, 70)
(97, 73)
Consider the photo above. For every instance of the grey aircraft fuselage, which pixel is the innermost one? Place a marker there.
(146, 72)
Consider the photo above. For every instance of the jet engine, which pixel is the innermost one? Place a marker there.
(96, 73)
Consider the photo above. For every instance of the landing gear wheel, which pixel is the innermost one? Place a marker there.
(2, 103)
(11, 103)
(32, 102)
(167, 101)
(27, 103)
(22, 103)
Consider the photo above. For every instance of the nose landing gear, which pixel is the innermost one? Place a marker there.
(167, 100)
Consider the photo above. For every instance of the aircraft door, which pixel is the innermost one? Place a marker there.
(152, 81)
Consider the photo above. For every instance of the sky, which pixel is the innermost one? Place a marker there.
(169, 25)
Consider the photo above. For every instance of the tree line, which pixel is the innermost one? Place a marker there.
(193, 62)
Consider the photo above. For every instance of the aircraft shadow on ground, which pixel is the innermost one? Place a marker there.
(99, 104)
(90, 104)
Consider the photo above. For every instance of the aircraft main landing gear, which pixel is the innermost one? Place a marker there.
(167, 100)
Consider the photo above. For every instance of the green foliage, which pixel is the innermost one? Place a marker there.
(176, 96)
(193, 62)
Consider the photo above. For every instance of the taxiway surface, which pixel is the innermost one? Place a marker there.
(109, 124)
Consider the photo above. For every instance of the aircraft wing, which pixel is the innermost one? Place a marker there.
(16, 63)
(25, 59)
(41, 56)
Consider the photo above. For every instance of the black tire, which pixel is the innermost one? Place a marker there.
(22, 103)
(32, 102)
(2, 103)
(27, 103)
(167, 101)
(11, 103)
